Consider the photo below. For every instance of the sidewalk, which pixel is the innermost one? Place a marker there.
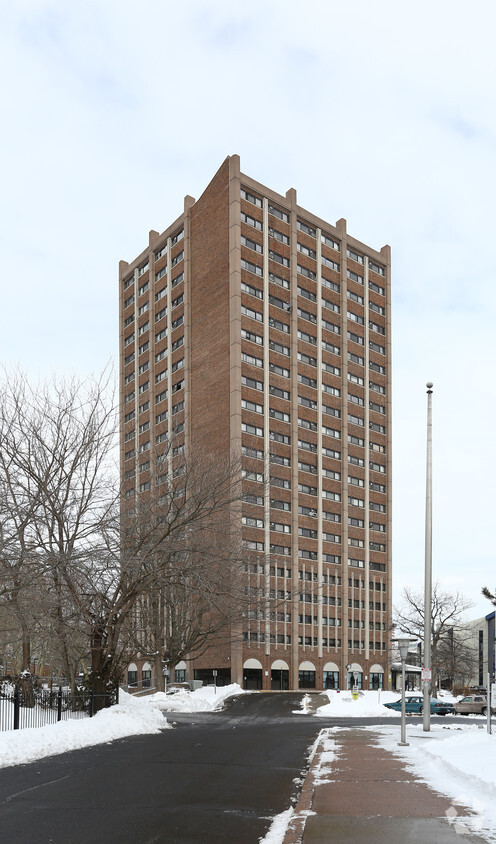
(357, 792)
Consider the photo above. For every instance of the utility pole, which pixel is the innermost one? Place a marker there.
(427, 666)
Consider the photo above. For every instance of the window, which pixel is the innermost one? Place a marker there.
(250, 197)
(355, 399)
(357, 461)
(250, 382)
(377, 526)
(328, 347)
(278, 280)
(251, 429)
(251, 314)
(306, 423)
(374, 327)
(307, 359)
(380, 429)
(377, 487)
(251, 244)
(281, 461)
(309, 382)
(307, 273)
(278, 347)
(277, 235)
(277, 213)
(251, 268)
(355, 256)
(377, 308)
(275, 323)
(252, 360)
(376, 268)
(279, 438)
(304, 227)
(278, 370)
(355, 317)
(332, 285)
(332, 265)
(274, 256)
(307, 467)
(305, 250)
(334, 391)
(331, 326)
(328, 367)
(252, 452)
(377, 467)
(356, 440)
(355, 502)
(379, 408)
(177, 279)
(308, 338)
(376, 348)
(251, 405)
(279, 414)
(251, 221)
(250, 521)
(280, 482)
(280, 505)
(282, 394)
(280, 528)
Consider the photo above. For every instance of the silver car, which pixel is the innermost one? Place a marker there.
(473, 705)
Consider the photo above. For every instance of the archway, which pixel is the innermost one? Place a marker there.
(252, 674)
(376, 677)
(331, 676)
(132, 675)
(355, 675)
(279, 676)
(146, 675)
(306, 675)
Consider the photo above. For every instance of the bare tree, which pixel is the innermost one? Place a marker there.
(447, 634)
(96, 570)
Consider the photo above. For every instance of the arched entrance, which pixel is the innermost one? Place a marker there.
(376, 677)
(132, 675)
(180, 672)
(146, 675)
(252, 674)
(331, 676)
(306, 675)
(279, 676)
(355, 675)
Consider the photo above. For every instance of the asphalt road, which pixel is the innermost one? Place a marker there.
(216, 777)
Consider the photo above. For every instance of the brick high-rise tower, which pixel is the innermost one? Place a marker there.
(268, 329)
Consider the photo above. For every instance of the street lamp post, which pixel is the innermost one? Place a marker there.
(426, 680)
(403, 646)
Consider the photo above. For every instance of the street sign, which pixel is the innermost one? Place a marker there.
(426, 674)
(214, 672)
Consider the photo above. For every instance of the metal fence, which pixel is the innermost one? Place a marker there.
(39, 707)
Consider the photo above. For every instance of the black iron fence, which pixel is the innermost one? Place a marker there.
(37, 707)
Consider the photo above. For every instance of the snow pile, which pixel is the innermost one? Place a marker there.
(205, 699)
(368, 705)
(459, 761)
(305, 705)
(130, 717)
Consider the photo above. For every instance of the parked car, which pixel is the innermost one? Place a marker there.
(414, 705)
(473, 705)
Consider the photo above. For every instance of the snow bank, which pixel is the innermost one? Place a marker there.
(130, 717)
(206, 699)
(368, 705)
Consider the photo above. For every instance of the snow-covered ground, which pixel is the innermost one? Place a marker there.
(368, 705)
(132, 716)
(458, 760)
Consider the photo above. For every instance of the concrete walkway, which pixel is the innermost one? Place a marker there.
(358, 792)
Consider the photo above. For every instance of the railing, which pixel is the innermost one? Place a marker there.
(39, 707)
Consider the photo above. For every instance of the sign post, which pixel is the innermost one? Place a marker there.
(214, 672)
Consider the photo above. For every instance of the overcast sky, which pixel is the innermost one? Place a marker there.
(380, 112)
